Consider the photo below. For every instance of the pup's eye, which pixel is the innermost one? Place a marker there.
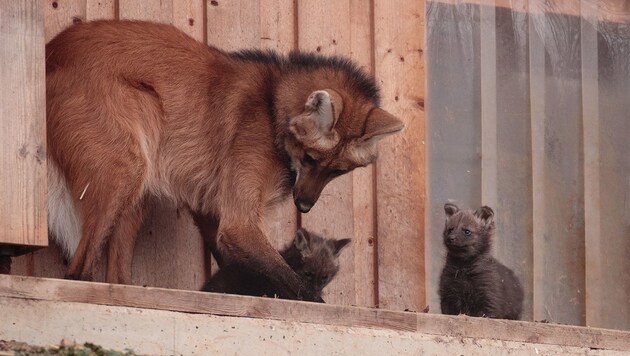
(308, 275)
(308, 160)
(449, 230)
(467, 232)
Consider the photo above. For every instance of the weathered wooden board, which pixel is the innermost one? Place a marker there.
(605, 105)
(506, 183)
(453, 125)
(333, 216)
(363, 187)
(23, 134)
(400, 170)
(18, 289)
(557, 168)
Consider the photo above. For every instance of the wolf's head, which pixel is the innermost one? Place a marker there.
(468, 233)
(334, 122)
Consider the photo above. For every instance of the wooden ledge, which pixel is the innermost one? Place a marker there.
(65, 291)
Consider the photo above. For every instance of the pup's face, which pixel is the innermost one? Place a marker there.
(466, 232)
(320, 258)
(318, 151)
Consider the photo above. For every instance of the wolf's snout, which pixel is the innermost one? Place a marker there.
(303, 205)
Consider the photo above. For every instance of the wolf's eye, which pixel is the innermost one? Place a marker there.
(467, 232)
(337, 172)
(308, 160)
(308, 275)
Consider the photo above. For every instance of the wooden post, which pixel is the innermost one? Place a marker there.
(23, 136)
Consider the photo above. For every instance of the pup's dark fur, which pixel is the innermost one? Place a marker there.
(472, 281)
(314, 258)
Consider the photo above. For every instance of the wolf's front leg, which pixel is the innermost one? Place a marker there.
(247, 245)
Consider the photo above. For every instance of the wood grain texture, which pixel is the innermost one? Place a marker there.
(557, 170)
(233, 25)
(324, 27)
(605, 107)
(61, 14)
(453, 126)
(363, 188)
(506, 141)
(400, 169)
(23, 127)
(277, 31)
(62, 291)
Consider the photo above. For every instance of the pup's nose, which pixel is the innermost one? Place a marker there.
(450, 239)
(303, 206)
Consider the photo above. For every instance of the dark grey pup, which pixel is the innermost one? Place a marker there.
(314, 258)
(472, 281)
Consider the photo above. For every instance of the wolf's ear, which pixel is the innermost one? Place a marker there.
(302, 241)
(315, 127)
(485, 213)
(339, 245)
(450, 209)
(380, 124)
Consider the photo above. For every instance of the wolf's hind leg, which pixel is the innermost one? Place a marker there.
(121, 244)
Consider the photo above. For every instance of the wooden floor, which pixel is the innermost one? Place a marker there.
(164, 321)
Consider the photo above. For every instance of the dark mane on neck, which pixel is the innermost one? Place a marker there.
(297, 60)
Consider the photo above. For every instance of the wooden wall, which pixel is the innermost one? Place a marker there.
(527, 113)
(380, 207)
(22, 123)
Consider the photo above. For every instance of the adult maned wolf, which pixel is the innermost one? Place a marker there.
(137, 109)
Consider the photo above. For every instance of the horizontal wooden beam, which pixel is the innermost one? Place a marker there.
(291, 311)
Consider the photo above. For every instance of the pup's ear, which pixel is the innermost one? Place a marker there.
(485, 213)
(302, 241)
(339, 245)
(379, 124)
(315, 127)
(450, 209)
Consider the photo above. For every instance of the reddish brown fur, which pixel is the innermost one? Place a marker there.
(137, 108)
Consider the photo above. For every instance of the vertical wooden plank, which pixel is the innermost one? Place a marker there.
(233, 25)
(23, 135)
(453, 125)
(150, 10)
(400, 177)
(277, 24)
(606, 103)
(513, 242)
(489, 164)
(595, 292)
(324, 26)
(101, 9)
(60, 14)
(557, 166)
(188, 16)
(537, 97)
(169, 250)
(277, 31)
(363, 189)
